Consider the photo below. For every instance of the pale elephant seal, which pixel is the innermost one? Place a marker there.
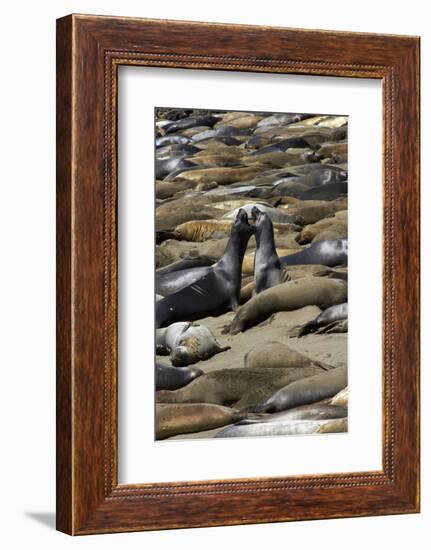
(329, 253)
(278, 355)
(182, 419)
(217, 290)
(310, 291)
(337, 425)
(187, 343)
(331, 315)
(237, 387)
(342, 398)
(267, 267)
(171, 378)
(306, 391)
(257, 429)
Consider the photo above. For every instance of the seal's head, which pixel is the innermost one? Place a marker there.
(259, 218)
(241, 224)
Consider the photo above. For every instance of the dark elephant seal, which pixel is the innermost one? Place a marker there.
(310, 291)
(331, 315)
(187, 343)
(171, 378)
(306, 391)
(318, 411)
(186, 263)
(278, 355)
(215, 291)
(328, 192)
(328, 253)
(183, 419)
(169, 283)
(267, 267)
(189, 122)
(237, 387)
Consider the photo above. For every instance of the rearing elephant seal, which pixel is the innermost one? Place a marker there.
(267, 267)
(309, 291)
(215, 291)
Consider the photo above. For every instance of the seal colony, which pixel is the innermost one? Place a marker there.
(251, 274)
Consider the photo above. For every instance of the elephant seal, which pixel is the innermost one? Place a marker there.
(278, 355)
(274, 214)
(186, 263)
(288, 296)
(306, 391)
(331, 315)
(169, 283)
(215, 291)
(328, 192)
(317, 411)
(267, 267)
(182, 419)
(236, 387)
(257, 429)
(336, 425)
(221, 175)
(189, 122)
(171, 378)
(342, 398)
(187, 343)
(328, 253)
(163, 141)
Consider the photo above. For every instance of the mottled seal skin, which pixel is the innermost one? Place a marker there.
(182, 419)
(171, 378)
(328, 253)
(187, 343)
(310, 291)
(278, 355)
(237, 387)
(267, 267)
(217, 290)
(331, 315)
(306, 391)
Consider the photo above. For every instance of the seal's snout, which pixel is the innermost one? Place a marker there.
(255, 213)
(242, 216)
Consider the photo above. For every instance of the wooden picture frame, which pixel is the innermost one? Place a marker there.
(89, 51)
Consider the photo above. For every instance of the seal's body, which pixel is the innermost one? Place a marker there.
(216, 291)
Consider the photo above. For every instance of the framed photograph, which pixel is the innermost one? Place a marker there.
(237, 274)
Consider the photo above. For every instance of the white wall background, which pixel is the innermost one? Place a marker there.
(27, 218)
